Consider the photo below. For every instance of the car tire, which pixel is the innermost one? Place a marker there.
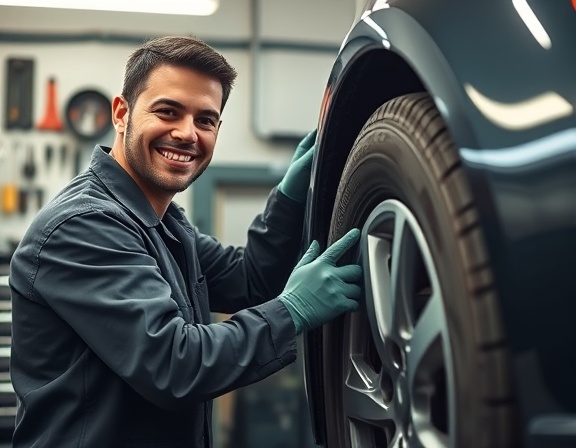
(423, 363)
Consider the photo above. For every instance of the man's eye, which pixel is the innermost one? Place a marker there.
(166, 112)
(207, 121)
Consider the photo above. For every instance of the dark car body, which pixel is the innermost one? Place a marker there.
(502, 73)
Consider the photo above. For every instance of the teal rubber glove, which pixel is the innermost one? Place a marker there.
(318, 290)
(295, 182)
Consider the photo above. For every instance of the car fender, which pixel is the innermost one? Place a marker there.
(496, 88)
(499, 90)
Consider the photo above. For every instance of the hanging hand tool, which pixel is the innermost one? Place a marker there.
(63, 157)
(9, 193)
(29, 168)
(48, 156)
(29, 171)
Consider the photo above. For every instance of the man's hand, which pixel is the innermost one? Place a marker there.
(297, 178)
(318, 290)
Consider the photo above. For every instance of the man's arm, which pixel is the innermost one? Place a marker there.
(97, 275)
(241, 277)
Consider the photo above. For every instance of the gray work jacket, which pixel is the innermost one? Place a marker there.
(111, 344)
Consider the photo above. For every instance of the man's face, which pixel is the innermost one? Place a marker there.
(171, 130)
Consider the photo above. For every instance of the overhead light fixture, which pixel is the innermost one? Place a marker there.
(179, 7)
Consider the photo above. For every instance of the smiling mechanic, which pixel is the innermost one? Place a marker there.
(112, 287)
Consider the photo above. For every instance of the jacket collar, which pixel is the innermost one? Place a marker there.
(122, 186)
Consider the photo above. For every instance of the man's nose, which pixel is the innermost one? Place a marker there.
(185, 130)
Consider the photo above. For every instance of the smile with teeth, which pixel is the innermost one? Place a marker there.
(174, 156)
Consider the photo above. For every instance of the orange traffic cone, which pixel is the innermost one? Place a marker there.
(51, 121)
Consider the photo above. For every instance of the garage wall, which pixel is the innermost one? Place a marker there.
(299, 40)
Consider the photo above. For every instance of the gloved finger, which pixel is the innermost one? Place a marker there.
(306, 159)
(304, 163)
(351, 273)
(301, 151)
(310, 255)
(334, 252)
(351, 291)
(351, 305)
(304, 145)
(309, 140)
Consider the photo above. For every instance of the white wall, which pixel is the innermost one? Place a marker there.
(99, 64)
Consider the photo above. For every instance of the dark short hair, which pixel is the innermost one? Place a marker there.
(184, 51)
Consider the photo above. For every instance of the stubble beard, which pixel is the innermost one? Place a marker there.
(134, 148)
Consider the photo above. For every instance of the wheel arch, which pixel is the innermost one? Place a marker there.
(376, 76)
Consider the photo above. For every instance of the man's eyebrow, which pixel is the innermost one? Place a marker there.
(168, 102)
(177, 105)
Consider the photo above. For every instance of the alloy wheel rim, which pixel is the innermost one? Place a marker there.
(398, 390)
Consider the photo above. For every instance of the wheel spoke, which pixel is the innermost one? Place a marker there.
(380, 296)
(364, 398)
(379, 300)
(414, 442)
(424, 359)
(386, 291)
(404, 254)
(428, 329)
(402, 441)
(430, 438)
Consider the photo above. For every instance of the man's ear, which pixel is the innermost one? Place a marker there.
(120, 113)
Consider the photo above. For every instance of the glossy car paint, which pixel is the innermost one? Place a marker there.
(507, 92)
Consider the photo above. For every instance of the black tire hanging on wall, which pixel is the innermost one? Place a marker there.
(424, 361)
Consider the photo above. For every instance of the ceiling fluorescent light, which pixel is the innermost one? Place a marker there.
(179, 7)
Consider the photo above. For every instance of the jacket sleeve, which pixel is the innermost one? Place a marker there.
(243, 277)
(96, 273)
